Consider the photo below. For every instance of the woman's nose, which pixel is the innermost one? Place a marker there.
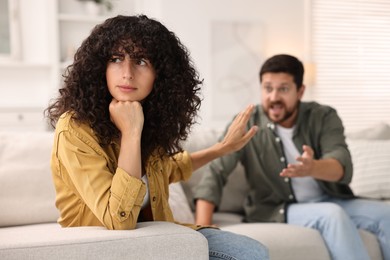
(127, 70)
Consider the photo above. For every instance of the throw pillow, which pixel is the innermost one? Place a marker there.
(380, 131)
(179, 205)
(371, 163)
(27, 194)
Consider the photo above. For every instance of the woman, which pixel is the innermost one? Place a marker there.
(128, 102)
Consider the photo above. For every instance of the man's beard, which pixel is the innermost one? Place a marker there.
(288, 113)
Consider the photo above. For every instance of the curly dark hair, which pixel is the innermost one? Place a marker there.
(170, 109)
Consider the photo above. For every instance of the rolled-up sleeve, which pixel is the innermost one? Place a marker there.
(179, 167)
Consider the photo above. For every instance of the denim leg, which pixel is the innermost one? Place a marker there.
(231, 246)
(370, 215)
(337, 229)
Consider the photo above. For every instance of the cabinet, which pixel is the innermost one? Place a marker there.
(22, 119)
(75, 22)
(50, 33)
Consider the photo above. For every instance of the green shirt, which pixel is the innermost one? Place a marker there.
(263, 159)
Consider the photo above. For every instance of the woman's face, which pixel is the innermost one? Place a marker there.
(129, 79)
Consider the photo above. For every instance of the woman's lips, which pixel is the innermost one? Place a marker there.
(127, 88)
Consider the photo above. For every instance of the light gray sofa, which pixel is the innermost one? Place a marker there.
(28, 228)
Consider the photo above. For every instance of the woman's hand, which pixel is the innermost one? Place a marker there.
(127, 116)
(237, 136)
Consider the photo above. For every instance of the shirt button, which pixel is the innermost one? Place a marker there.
(154, 198)
(290, 196)
(123, 214)
(277, 139)
(282, 159)
(281, 211)
(286, 179)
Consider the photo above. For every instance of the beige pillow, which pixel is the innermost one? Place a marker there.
(27, 194)
(179, 205)
(236, 188)
(371, 163)
(380, 131)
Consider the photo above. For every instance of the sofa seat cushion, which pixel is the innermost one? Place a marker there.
(297, 242)
(222, 219)
(150, 240)
(371, 244)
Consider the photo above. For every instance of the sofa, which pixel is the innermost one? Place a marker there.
(28, 227)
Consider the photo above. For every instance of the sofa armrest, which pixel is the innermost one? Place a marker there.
(150, 240)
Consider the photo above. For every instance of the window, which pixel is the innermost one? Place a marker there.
(351, 49)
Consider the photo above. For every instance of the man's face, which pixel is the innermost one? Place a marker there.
(280, 98)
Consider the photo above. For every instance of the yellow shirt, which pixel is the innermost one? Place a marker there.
(92, 191)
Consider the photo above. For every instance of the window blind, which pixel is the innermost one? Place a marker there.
(351, 50)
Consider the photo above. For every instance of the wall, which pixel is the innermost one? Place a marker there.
(265, 28)
(278, 26)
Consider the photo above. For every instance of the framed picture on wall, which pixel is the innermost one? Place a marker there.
(235, 61)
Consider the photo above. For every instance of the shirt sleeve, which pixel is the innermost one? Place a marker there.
(179, 167)
(115, 198)
(333, 144)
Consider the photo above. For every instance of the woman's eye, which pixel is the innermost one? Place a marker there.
(116, 59)
(141, 62)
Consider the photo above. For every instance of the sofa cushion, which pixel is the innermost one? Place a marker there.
(298, 242)
(150, 240)
(379, 131)
(370, 151)
(236, 188)
(27, 194)
(371, 163)
(179, 205)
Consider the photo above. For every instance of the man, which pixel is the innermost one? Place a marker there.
(298, 167)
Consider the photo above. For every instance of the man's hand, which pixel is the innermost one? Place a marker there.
(328, 169)
(304, 167)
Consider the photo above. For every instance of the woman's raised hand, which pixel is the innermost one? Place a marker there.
(237, 136)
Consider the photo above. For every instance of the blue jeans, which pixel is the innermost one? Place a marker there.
(338, 221)
(227, 245)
